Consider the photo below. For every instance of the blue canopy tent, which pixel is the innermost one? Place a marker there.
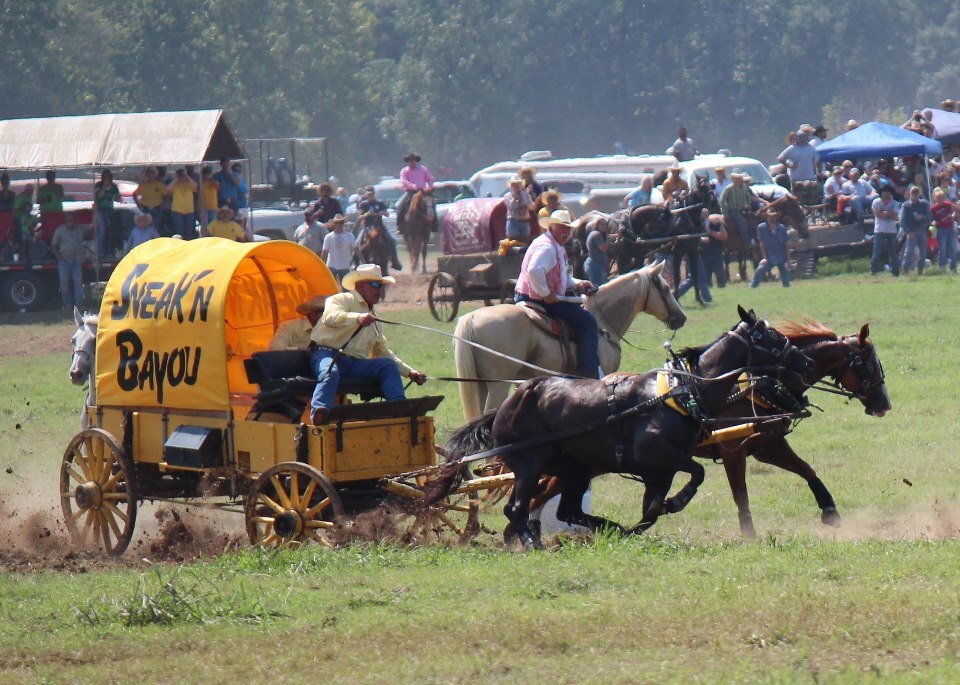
(875, 140)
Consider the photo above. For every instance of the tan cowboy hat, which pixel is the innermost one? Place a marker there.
(314, 304)
(514, 179)
(413, 155)
(674, 167)
(532, 170)
(337, 219)
(736, 174)
(561, 216)
(808, 128)
(365, 272)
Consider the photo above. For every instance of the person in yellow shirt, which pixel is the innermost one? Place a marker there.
(225, 227)
(348, 343)
(295, 334)
(210, 190)
(182, 210)
(149, 196)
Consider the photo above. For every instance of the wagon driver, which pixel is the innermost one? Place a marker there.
(347, 343)
(545, 277)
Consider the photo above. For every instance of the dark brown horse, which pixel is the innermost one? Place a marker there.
(653, 441)
(853, 364)
(420, 219)
(792, 215)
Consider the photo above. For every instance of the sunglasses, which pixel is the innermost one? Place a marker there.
(376, 285)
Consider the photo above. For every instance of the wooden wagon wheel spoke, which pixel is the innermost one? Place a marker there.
(98, 501)
(443, 296)
(296, 518)
(459, 514)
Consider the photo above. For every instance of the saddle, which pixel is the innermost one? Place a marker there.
(555, 328)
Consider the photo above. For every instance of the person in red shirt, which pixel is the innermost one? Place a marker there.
(944, 218)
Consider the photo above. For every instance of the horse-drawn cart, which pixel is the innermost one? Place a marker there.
(471, 267)
(191, 407)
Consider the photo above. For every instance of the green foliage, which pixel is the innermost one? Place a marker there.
(469, 83)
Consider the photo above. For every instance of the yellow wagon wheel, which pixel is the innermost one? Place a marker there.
(458, 513)
(292, 503)
(97, 491)
(493, 496)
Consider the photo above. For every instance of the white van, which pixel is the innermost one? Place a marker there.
(607, 171)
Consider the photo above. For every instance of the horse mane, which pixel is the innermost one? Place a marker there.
(415, 201)
(805, 328)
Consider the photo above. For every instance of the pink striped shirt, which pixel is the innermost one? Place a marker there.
(416, 178)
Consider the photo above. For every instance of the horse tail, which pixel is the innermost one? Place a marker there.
(470, 397)
(471, 438)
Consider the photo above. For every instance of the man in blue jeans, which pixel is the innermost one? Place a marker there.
(915, 219)
(347, 343)
(775, 249)
(71, 252)
(545, 277)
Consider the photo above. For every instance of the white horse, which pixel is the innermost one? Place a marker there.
(506, 328)
(82, 362)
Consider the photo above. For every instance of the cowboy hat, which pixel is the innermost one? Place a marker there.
(807, 128)
(532, 170)
(514, 179)
(337, 219)
(736, 174)
(314, 304)
(674, 167)
(224, 210)
(413, 155)
(365, 272)
(560, 216)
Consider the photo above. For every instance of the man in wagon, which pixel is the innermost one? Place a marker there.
(295, 334)
(349, 343)
(545, 277)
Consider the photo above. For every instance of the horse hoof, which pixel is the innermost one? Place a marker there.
(747, 532)
(510, 535)
(830, 517)
(532, 544)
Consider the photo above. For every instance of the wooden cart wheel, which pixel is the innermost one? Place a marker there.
(98, 491)
(507, 291)
(459, 513)
(292, 503)
(443, 296)
(491, 497)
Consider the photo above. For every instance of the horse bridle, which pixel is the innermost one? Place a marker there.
(863, 369)
(753, 342)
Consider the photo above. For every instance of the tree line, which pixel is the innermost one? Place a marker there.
(467, 83)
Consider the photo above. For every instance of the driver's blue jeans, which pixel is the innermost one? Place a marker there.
(330, 372)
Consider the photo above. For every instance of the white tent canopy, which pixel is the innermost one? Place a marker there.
(137, 139)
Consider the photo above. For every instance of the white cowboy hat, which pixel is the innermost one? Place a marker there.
(366, 272)
(561, 216)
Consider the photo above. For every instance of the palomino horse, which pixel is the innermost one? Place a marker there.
(82, 362)
(507, 328)
(420, 219)
(570, 428)
(853, 363)
(792, 215)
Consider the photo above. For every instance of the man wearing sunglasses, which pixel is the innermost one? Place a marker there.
(348, 343)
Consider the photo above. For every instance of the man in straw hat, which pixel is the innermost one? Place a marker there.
(295, 334)
(545, 277)
(413, 177)
(327, 206)
(519, 205)
(673, 184)
(348, 343)
(735, 202)
(225, 227)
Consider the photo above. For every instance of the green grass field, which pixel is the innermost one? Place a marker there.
(875, 600)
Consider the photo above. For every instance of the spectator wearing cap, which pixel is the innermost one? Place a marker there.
(858, 193)
(413, 177)
(142, 231)
(182, 206)
(915, 218)
(149, 195)
(295, 334)
(800, 159)
(720, 181)
(225, 227)
(228, 184)
(327, 206)
(885, 212)
(311, 233)
(519, 205)
(372, 211)
(683, 148)
(339, 247)
(774, 248)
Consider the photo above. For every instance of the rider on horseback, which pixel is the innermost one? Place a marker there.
(545, 277)
(735, 203)
(413, 177)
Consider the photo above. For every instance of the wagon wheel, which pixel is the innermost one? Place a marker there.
(458, 513)
(98, 491)
(506, 291)
(489, 498)
(443, 296)
(291, 503)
